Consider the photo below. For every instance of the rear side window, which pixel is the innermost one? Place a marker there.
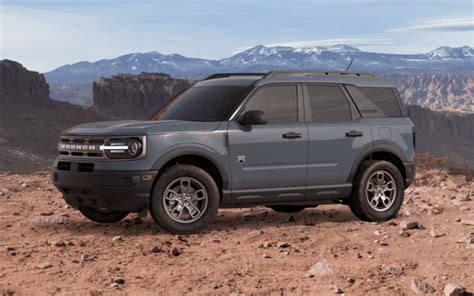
(279, 103)
(375, 101)
(328, 103)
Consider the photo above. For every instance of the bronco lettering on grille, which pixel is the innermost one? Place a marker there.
(78, 147)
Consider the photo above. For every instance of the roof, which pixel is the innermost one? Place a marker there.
(362, 79)
(229, 81)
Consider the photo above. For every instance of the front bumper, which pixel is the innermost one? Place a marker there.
(410, 170)
(116, 190)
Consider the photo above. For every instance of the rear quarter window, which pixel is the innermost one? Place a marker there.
(375, 101)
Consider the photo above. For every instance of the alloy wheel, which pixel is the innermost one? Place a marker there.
(381, 190)
(185, 200)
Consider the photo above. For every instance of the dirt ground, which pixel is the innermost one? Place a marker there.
(48, 248)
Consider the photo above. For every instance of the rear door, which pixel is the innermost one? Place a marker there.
(337, 135)
(269, 161)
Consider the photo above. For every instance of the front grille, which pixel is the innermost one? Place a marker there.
(83, 141)
(81, 147)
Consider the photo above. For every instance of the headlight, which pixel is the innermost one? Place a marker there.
(123, 148)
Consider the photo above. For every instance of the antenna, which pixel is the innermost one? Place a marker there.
(350, 64)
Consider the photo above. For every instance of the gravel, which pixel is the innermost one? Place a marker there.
(453, 289)
(420, 286)
(175, 252)
(320, 268)
(44, 265)
(88, 257)
(405, 225)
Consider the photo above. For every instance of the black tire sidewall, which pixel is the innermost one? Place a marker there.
(158, 212)
(360, 204)
(102, 217)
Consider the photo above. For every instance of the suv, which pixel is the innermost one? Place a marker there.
(287, 140)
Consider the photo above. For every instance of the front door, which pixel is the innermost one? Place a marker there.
(269, 161)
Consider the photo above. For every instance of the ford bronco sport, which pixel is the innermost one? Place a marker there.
(287, 140)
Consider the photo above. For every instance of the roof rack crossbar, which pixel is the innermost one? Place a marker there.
(288, 73)
(226, 75)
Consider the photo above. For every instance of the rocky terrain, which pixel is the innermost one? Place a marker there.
(439, 92)
(48, 248)
(135, 96)
(30, 122)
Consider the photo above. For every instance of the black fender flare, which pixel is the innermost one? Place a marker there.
(197, 151)
(378, 147)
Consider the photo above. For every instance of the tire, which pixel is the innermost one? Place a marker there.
(287, 208)
(179, 191)
(102, 216)
(371, 179)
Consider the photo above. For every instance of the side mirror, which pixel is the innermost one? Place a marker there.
(253, 117)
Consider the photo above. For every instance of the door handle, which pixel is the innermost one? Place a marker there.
(354, 134)
(292, 135)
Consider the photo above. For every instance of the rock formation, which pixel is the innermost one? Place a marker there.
(30, 122)
(454, 124)
(17, 83)
(444, 132)
(135, 96)
(437, 91)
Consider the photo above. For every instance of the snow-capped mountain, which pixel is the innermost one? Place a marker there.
(264, 58)
(133, 63)
(446, 52)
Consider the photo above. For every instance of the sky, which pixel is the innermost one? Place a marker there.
(45, 34)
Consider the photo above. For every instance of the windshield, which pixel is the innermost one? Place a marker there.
(204, 103)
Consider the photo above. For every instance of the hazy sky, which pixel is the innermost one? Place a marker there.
(45, 34)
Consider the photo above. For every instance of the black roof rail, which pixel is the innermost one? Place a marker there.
(302, 73)
(226, 75)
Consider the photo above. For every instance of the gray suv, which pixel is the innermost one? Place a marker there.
(287, 140)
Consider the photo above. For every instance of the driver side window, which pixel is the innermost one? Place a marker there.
(279, 103)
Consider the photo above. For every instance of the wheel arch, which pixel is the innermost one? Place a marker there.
(380, 152)
(195, 156)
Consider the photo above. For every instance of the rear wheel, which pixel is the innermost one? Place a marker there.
(185, 199)
(101, 215)
(287, 208)
(378, 191)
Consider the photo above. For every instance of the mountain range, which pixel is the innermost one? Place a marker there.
(263, 58)
(441, 79)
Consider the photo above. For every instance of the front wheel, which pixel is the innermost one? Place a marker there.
(185, 199)
(378, 190)
(101, 215)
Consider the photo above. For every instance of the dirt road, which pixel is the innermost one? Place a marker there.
(48, 248)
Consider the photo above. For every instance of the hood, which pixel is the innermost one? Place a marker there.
(137, 128)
